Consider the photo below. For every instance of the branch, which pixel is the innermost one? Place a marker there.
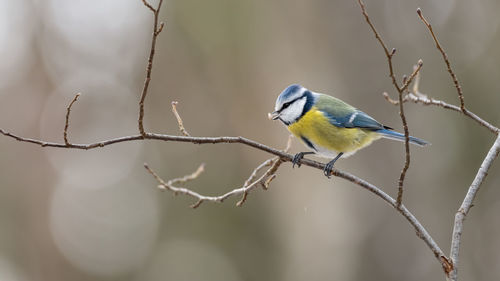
(471, 115)
(431, 101)
(202, 198)
(400, 90)
(451, 267)
(170, 183)
(446, 60)
(467, 204)
(397, 204)
(66, 125)
(156, 31)
(284, 157)
(247, 187)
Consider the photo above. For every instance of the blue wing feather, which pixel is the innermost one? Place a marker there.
(356, 119)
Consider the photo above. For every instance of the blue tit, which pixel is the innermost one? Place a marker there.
(328, 126)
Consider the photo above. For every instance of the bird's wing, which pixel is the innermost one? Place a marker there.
(344, 115)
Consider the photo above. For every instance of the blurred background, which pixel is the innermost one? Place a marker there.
(97, 215)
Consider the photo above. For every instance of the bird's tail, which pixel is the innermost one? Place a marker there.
(389, 134)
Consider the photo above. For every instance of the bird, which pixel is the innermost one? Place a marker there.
(328, 126)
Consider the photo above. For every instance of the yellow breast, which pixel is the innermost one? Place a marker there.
(318, 130)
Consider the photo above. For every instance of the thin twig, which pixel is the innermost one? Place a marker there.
(176, 190)
(253, 175)
(388, 54)
(468, 113)
(263, 181)
(159, 28)
(416, 85)
(66, 125)
(406, 166)
(467, 204)
(446, 60)
(391, 101)
(416, 71)
(156, 32)
(148, 5)
(189, 177)
(179, 119)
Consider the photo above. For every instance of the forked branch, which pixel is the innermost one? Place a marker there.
(424, 100)
(400, 90)
(452, 268)
(251, 183)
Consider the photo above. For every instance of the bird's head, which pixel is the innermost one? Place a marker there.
(291, 104)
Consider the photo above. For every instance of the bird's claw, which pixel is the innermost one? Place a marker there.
(329, 166)
(296, 159)
(327, 171)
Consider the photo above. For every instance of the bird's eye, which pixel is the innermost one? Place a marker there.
(285, 105)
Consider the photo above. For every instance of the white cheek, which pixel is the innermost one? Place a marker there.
(291, 113)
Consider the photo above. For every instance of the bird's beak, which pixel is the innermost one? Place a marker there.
(274, 115)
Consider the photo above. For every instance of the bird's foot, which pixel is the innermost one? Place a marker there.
(297, 157)
(328, 169)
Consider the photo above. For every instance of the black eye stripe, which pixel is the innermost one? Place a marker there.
(287, 104)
